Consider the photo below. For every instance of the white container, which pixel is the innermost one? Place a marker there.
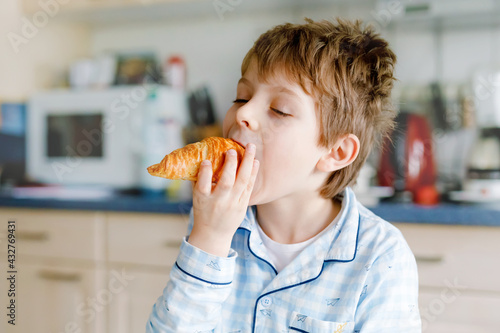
(162, 134)
(486, 85)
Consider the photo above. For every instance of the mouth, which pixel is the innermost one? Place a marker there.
(239, 143)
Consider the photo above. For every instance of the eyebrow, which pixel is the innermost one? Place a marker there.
(280, 90)
(288, 92)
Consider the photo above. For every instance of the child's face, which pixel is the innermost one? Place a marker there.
(286, 144)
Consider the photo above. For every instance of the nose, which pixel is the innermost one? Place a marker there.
(246, 116)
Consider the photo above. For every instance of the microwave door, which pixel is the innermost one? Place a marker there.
(83, 137)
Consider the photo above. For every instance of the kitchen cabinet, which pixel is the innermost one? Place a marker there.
(130, 309)
(103, 271)
(458, 276)
(145, 246)
(81, 271)
(59, 265)
(145, 239)
(53, 298)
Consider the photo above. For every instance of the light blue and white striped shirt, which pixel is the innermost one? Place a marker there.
(359, 276)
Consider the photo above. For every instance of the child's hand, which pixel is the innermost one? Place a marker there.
(219, 211)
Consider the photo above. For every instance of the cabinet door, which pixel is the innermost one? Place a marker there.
(53, 299)
(145, 239)
(59, 234)
(129, 311)
(465, 255)
(450, 310)
(458, 276)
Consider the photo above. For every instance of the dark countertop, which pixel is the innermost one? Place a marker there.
(120, 203)
(444, 213)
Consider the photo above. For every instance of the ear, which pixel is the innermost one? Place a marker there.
(343, 153)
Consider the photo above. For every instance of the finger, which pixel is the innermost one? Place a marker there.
(245, 169)
(228, 175)
(245, 196)
(204, 183)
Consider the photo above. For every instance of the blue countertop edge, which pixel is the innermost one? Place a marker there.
(443, 213)
(115, 204)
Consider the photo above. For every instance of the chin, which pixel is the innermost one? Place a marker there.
(253, 202)
(255, 199)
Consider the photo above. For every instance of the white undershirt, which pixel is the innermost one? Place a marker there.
(282, 254)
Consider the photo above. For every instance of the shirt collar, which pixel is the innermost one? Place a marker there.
(340, 242)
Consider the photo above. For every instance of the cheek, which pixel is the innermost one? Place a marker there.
(226, 123)
(296, 155)
(278, 157)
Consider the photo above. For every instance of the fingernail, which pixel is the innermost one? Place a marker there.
(205, 162)
(231, 152)
(251, 147)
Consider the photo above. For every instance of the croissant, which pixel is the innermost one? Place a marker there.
(184, 163)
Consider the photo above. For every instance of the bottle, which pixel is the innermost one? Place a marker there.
(175, 72)
(161, 134)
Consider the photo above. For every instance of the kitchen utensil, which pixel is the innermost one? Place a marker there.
(201, 107)
(439, 108)
(483, 171)
(407, 163)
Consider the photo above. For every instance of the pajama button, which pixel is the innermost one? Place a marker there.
(266, 301)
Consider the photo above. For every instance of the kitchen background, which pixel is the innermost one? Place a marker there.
(171, 68)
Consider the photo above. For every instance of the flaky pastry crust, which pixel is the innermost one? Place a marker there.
(184, 163)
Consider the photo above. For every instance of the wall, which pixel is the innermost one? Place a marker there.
(214, 48)
(452, 57)
(41, 61)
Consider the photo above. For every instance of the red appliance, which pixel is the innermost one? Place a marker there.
(407, 163)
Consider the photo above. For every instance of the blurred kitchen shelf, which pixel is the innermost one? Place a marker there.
(116, 11)
(438, 14)
(448, 15)
(465, 21)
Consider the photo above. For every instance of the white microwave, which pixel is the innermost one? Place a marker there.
(97, 137)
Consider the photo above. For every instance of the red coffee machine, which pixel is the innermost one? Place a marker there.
(407, 163)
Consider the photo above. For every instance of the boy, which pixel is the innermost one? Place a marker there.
(280, 243)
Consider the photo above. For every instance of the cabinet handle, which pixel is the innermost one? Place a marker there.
(430, 259)
(38, 236)
(59, 276)
(173, 243)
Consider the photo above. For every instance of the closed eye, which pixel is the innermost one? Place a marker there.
(281, 114)
(278, 112)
